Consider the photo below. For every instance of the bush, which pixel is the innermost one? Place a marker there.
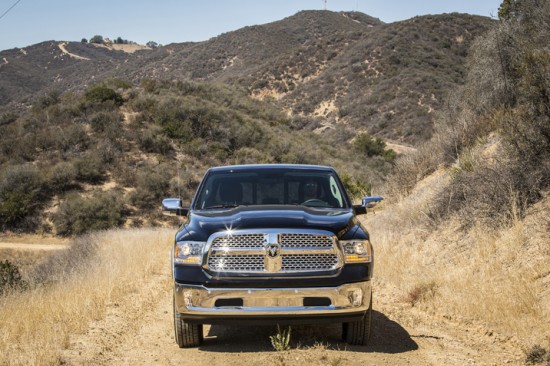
(99, 93)
(371, 147)
(357, 189)
(10, 278)
(78, 215)
(154, 141)
(152, 186)
(20, 194)
(62, 177)
(89, 169)
(104, 121)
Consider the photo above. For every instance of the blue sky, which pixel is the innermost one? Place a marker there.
(168, 21)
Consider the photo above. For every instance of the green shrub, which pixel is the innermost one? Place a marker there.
(10, 278)
(369, 146)
(357, 189)
(78, 215)
(20, 194)
(99, 93)
(89, 169)
(72, 139)
(153, 141)
(152, 185)
(61, 177)
(106, 120)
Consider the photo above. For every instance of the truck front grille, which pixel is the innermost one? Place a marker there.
(272, 252)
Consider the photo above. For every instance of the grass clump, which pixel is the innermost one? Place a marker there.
(281, 340)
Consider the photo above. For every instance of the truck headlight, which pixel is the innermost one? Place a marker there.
(357, 251)
(189, 252)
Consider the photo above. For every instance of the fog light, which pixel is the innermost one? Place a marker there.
(356, 297)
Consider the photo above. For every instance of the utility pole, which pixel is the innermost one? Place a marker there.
(325, 1)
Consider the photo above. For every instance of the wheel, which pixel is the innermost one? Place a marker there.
(187, 334)
(358, 333)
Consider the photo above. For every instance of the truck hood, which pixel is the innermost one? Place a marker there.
(201, 224)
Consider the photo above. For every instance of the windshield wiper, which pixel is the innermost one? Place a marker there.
(231, 205)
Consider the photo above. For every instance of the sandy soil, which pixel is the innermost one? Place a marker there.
(139, 331)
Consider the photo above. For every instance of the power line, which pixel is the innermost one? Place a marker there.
(11, 7)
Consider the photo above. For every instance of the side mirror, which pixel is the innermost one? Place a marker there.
(367, 202)
(371, 201)
(173, 207)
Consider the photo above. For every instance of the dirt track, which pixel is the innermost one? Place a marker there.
(27, 246)
(140, 332)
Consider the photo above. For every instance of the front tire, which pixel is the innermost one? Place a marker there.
(187, 334)
(358, 333)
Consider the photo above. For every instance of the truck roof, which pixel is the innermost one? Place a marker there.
(271, 166)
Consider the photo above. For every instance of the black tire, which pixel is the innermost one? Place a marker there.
(358, 333)
(187, 334)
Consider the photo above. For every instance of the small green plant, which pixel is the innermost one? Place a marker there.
(281, 340)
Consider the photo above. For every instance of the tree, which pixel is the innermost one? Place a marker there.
(96, 39)
(152, 44)
(83, 40)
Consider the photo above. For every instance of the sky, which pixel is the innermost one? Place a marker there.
(170, 21)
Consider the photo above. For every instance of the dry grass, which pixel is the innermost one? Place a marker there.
(498, 278)
(37, 325)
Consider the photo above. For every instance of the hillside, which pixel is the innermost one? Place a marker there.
(106, 157)
(339, 71)
(78, 120)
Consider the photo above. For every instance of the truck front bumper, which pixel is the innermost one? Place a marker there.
(199, 304)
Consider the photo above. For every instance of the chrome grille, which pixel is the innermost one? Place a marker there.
(236, 263)
(310, 262)
(290, 251)
(239, 241)
(306, 240)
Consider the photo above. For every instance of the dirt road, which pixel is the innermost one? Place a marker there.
(31, 246)
(139, 331)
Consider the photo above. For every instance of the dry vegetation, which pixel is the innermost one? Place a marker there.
(492, 279)
(75, 287)
(471, 206)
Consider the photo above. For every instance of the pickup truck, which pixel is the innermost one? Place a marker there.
(271, 244)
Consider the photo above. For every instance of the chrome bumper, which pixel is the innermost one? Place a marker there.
(201, 302)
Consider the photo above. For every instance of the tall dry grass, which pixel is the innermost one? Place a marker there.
(493, 277)
(37, 325)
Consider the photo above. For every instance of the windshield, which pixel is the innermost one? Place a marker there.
(225, 189)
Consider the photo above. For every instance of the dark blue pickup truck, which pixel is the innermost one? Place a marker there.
(271, 244)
